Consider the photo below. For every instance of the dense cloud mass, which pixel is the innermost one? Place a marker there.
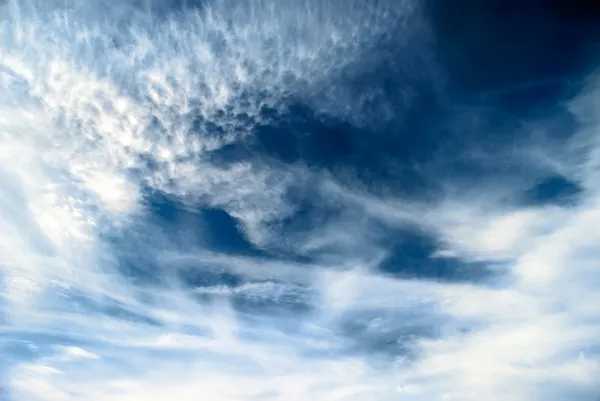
(281, 200)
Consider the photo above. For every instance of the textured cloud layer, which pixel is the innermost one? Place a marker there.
(128, 154)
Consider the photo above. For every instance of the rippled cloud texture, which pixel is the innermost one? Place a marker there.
(202, 202)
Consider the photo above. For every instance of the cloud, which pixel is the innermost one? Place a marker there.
(99, 115)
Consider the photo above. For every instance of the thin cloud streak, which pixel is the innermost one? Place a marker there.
(87, 127)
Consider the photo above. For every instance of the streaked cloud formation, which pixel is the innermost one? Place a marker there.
(127, 138)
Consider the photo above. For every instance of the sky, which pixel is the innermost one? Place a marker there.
(282, 200)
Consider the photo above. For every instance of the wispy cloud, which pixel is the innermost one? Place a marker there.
(97, 115)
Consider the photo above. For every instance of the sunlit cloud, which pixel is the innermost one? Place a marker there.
(106, 108)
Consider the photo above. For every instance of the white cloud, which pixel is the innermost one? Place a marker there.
(76, 353)
(87, 124)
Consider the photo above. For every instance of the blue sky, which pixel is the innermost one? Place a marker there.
(289, 200)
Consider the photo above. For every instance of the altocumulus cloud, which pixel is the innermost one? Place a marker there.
(154, 248)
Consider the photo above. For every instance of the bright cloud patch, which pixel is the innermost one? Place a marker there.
(155, 245)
